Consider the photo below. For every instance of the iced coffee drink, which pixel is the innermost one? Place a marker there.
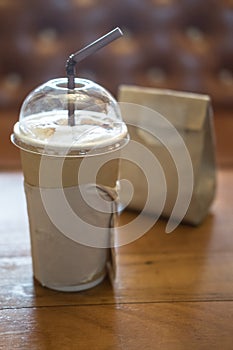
(52, 152)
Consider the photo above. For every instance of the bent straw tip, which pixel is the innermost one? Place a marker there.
(119, 30)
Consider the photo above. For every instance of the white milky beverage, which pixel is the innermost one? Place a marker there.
(50, 133)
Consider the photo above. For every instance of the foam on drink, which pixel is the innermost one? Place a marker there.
(51, 130)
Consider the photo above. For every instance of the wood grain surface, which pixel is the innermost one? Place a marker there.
(173, 291)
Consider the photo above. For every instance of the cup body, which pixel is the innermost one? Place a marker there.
(58, 262)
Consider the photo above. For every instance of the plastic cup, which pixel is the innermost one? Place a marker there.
(52, 152)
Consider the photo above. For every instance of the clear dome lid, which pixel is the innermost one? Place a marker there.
(56, 120)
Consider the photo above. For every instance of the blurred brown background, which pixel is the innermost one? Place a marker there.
(178, 44)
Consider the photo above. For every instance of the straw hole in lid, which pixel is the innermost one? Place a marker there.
(77, 85)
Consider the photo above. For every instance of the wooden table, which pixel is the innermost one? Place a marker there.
(172, 291)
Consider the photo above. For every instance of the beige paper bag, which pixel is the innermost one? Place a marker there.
(191, 115)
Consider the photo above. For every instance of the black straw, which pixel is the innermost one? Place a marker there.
(70, 71)
(79, 56)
